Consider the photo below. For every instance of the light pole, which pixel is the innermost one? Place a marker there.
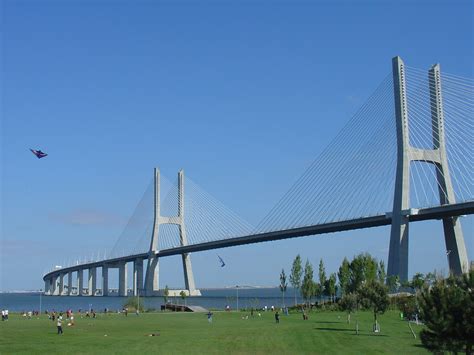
(41, 293)
(237, 288)
(138, 301)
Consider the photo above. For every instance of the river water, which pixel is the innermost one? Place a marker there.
(210, 299)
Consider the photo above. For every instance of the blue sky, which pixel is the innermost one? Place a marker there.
(241, 95)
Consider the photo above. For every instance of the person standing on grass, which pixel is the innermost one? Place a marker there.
(209, 317)
(60, 324)
(277, 317)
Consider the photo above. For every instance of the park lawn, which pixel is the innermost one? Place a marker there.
(324, 332)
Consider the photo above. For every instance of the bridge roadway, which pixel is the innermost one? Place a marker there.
(431, 213)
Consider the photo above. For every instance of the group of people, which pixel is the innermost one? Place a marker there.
(125, 311)
(284, 310)
(58, 317)
(29, 314)
(4, 314)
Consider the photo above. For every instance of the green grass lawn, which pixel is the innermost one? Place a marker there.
(324, 332)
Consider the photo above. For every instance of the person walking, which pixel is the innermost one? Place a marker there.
(60, 324)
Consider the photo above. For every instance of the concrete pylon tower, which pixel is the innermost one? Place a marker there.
(398, 251)
(453, 236)
(187, 268)
(152, 272)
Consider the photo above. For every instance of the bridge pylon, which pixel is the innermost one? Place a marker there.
(152, 271)
(398, 251)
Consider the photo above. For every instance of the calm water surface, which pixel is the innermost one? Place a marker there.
(215, 299)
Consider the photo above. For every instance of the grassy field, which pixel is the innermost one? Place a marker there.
(324, 332)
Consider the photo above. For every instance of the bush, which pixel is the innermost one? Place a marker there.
(132, 303)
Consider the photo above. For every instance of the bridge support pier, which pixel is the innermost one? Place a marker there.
(138, 277)
(398, 251)
(188, 276)
(92, 281)
(105, 280)
(69, 283)
(152, 272)
(61, 284)
(80, 281)
(47, 282)
(54, 285)
(123, 279)
(152, 285)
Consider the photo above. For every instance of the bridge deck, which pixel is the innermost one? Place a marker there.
(423, 214)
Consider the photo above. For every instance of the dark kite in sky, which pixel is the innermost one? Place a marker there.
(39, 154)
(222, 261)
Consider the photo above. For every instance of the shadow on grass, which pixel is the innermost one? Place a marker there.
(336, 329)
(353, 331)
(327, 322)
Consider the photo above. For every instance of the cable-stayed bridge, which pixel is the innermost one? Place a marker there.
(405, 156)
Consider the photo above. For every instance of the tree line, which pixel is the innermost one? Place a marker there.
(361, 283)
(351, 275)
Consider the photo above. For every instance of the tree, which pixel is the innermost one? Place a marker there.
(349, 303)
(344, 275)
(318, 290)
(363, 269)
(331, 286)
(417, 281)
(393, 283)
(447, 309)
(322, 278)
(371, 267)
(307, 287)
(283, 286)
(166, 293)
(296, 273)
(430, 278)
(254, 302)
(183, 296)
(374, 295)
(381, 274)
